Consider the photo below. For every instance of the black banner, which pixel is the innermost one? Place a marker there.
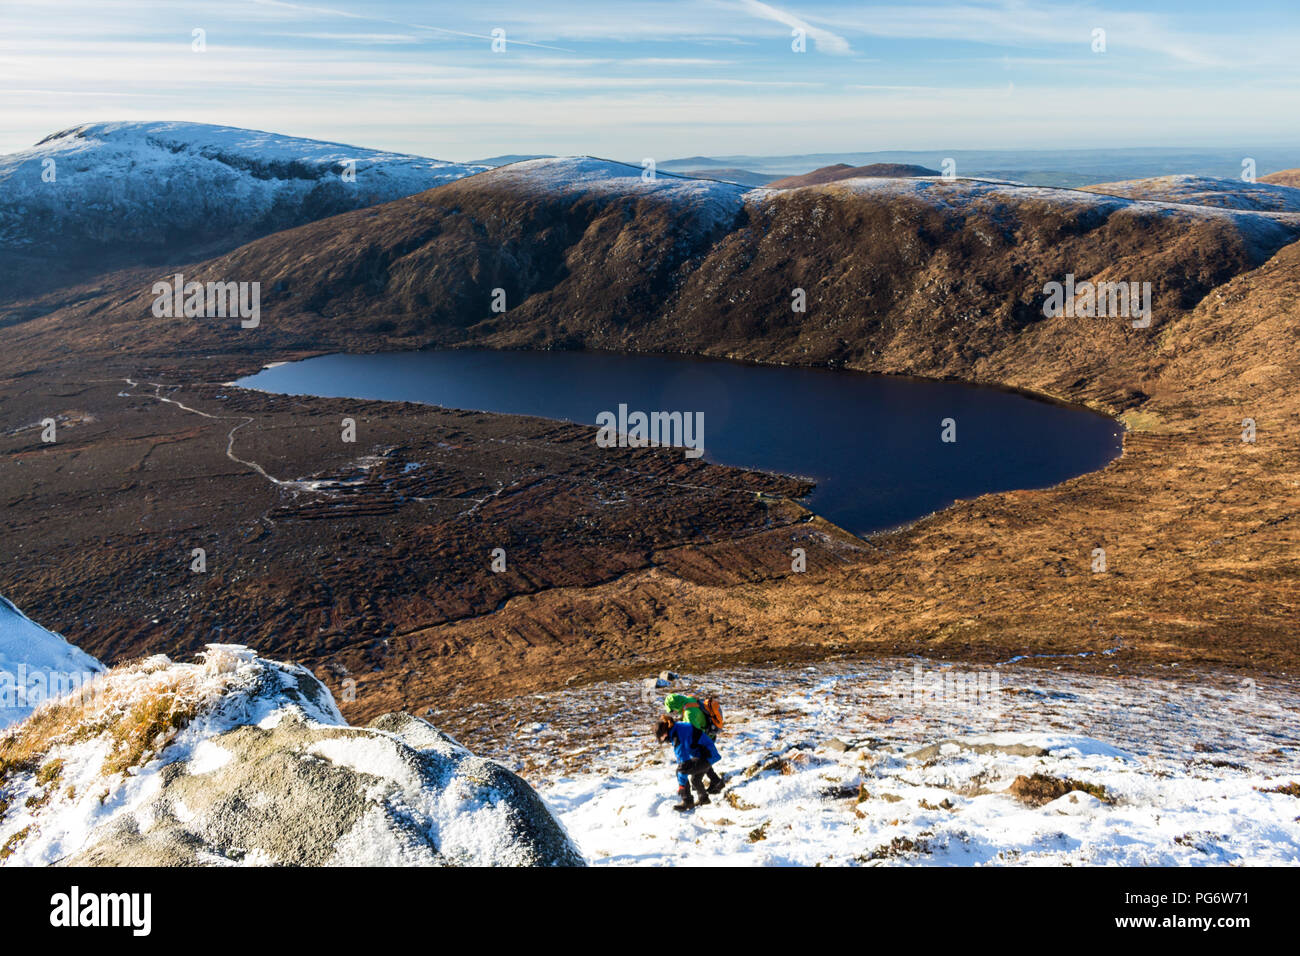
(136, 906)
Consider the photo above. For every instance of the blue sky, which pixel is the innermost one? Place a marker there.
(664, 78)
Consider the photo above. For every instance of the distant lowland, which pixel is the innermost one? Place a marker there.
(1035, 167)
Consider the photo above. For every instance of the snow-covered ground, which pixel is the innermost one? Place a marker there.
(36, 664)
(1207, 191)
(844, 762)
(236, 760)
(714, 203)
(1181, 760)
(1266, 226)
(151, 182)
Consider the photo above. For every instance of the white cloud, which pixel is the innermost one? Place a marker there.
(823, 40)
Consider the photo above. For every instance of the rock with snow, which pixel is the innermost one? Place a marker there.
(241, 761)
(1075, 803)
(1014, 748)
(36, 665)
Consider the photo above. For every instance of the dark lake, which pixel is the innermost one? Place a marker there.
(872, 443)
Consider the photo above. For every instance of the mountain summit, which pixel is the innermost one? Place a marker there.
(107, 195)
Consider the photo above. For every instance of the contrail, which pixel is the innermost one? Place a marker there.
(410, 26)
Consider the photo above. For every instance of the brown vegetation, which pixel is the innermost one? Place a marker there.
(1199, 527)
(831, 174)
(1285, 177)
(1040, 788)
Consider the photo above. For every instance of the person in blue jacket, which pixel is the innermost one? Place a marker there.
(694, 761)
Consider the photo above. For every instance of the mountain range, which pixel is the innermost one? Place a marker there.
(901, 275)
(111, 195)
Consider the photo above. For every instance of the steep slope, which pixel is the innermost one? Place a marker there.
(831, 174)
(901, 276)
(431, 262)
(35, 664)
(113, 194)
(238, 760)
(916, 762)
(1207, 191)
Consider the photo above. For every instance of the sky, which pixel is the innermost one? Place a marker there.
(664, 79)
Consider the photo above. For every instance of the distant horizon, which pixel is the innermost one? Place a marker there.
(824, 156)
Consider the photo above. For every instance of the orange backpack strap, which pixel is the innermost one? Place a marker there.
(713, 710)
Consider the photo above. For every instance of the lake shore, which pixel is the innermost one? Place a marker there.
(378, 594)
(1198, 526)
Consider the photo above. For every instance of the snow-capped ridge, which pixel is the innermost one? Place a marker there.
(162, 185)
(1265, 228)
(1213, 191)
(714, 201)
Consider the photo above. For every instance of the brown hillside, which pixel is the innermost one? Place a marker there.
(938, 280)
(830, 174)
(1284, 177)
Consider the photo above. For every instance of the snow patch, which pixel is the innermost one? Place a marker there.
(714, 203)
(36, 664)
(145, 181)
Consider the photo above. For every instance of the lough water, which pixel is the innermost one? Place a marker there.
(872, 443)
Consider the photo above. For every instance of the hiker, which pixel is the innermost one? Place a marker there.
(704, 716)
(694, 761)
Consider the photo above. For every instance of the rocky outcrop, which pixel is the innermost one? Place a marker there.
(395, 793)
(255, 767)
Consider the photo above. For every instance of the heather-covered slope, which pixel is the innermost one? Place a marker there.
(1284, 177)
(901, 276)
(912, 276)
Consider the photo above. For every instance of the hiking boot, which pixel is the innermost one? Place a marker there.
(703, 798)
(716, 786)
(686, 803)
